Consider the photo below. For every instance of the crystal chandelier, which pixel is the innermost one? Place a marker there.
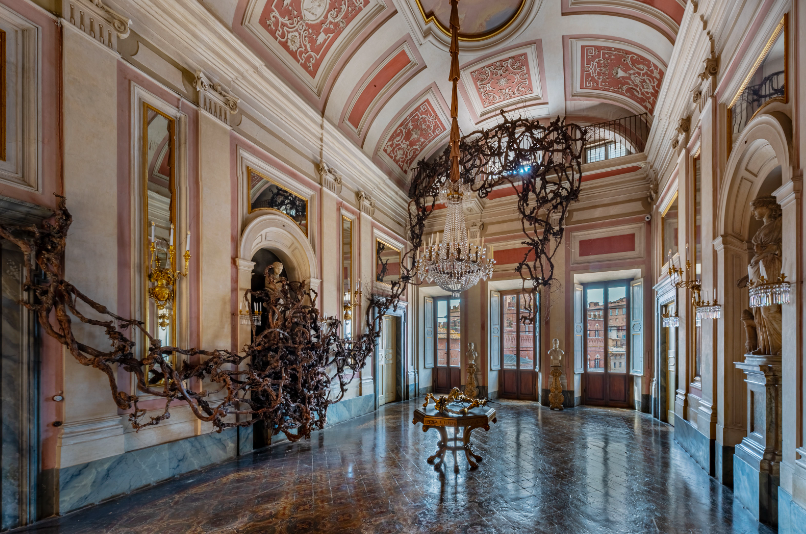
(454, 264)
(765, 293)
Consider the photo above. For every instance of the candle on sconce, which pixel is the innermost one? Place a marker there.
(152, 231)
(714, 294)
(171, 243)
(187, 247)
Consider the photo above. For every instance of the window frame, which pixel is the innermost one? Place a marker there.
(536, 334)
(447, 299)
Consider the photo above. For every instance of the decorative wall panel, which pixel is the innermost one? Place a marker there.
(618, 71)
(508, 79)
(416, 130)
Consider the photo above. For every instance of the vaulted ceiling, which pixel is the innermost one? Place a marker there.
(378, 68)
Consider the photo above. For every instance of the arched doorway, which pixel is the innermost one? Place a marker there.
(268, 238)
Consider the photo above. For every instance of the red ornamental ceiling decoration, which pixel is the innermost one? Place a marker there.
(503, 80)
(307, 29)
(411, 136)
(622, 72)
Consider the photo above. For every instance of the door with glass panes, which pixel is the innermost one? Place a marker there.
(607, 355)
(519, 339)
(448, 344)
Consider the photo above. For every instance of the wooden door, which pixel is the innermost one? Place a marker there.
(448, 345)
(607, 351)
(518, 377)
(387, 361)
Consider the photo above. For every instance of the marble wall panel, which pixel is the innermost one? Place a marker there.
(92, 482)
(694, 443)
(11, 387)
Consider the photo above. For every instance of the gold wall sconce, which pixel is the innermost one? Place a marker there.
(162, 280)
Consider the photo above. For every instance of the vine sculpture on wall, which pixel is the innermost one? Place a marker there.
(284, 378)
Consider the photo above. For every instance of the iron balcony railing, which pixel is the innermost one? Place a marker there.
(772, 86)
(616, 138)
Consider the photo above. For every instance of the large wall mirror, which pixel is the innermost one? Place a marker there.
(387, 262)
(159, 208)
(266, 194)
(347, 276)
(669, 229)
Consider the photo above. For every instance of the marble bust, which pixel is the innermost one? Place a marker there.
(556, 353)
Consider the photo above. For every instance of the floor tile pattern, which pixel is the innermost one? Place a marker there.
(586, 470)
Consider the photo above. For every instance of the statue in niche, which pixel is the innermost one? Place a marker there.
(751, 342)
(765, 267)
(471, 390)
(275, 269)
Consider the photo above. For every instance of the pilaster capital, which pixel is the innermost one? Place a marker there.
(97, 20)
(790, 192)
(731, 243)
(216, 100)
(365, 203)
(244, 265)
(330, 179)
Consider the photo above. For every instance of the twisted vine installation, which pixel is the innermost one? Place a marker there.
(284, 377)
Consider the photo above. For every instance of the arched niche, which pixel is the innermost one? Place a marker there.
(763, 146)
(285, 239)
(759, 161)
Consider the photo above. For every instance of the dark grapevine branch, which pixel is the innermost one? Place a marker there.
(284, 378)
(542, 163)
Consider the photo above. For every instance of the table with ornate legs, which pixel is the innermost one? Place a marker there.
(479, 417)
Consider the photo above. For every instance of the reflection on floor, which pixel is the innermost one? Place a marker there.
(581, 470)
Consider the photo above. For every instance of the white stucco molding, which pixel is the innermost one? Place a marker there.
(98, 21)
(278, 233)
(763, 145)
(216, 100)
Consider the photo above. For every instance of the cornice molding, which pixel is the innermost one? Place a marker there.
(199, 41)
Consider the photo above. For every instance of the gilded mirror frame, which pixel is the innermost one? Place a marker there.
(145, 216)
(249, 171)
(387, 244)
(348, 291)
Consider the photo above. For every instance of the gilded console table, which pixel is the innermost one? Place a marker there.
(478, 417)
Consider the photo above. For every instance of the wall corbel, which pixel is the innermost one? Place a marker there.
(330, 179)
(216, 100)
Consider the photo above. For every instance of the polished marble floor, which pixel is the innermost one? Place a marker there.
(583, 470)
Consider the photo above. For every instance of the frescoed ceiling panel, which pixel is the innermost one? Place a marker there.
(664, 15)
(420, 128)
(309, 40)
(509, 79)
(622, 72)
(377, 70)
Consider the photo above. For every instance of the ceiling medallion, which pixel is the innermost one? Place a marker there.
(487, 18)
